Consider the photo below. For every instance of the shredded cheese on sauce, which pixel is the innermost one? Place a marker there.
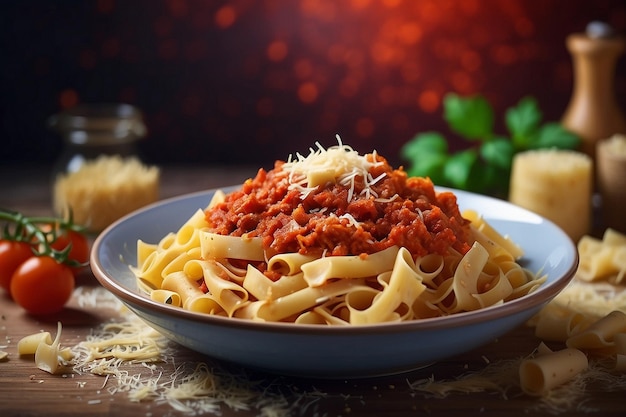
(337, 164)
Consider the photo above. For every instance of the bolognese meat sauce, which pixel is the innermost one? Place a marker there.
(361, 213)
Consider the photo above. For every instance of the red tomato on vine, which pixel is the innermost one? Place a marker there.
(41, 285)
(39, 257)
(12, 255)
(79, 252)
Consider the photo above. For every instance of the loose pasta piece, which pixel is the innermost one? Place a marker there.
(549, 370)
(28, 344)
(595, 259)
(601, 333)
(557, 323)
(600, 259)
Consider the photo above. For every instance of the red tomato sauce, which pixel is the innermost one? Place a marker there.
(416, 218)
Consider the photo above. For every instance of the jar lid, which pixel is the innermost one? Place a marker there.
(99, 123)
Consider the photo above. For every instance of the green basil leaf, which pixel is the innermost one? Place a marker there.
(489, 179)
(458, 168)
(498, 152)
(429, 165)
(554, 135)
(470, 117)
(523, 121)
(427, 142)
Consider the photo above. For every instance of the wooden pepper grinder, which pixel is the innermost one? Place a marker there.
(593, 113)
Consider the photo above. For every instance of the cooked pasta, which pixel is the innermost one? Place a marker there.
(333, 238)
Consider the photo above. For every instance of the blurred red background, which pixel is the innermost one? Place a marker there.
(247, 81)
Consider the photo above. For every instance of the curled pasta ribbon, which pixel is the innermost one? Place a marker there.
(600, 334)
(558, 323)
(400, 286)
(319, 271)
(600, 259)
(551, 369)
(234, 276)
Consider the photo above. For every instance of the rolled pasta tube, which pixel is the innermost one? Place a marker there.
(549, 370)
(601, 333)
(182, 284)
(204, 303)
(288, 263)
(166, 297)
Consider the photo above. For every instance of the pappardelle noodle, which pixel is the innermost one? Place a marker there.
(333, 238)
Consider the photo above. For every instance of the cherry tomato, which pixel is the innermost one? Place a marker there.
(80, 246)
(12, 255)
(41, 285)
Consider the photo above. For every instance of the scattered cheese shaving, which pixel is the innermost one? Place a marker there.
(111, 347)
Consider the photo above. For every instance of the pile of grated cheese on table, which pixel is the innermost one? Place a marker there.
(194, 388)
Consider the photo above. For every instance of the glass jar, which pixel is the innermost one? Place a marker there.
(91, 130)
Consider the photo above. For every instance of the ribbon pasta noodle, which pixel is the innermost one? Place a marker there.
(333, 238)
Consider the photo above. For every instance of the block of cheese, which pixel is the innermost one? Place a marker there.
(556, 184)
(104, 189)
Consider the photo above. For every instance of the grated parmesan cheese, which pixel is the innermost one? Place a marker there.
(192, 389)
(103, 190)
(338, 164)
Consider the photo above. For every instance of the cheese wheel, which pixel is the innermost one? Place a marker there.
(556, 184)
(105, 189)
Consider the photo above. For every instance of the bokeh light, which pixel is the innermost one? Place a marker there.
(247, 81)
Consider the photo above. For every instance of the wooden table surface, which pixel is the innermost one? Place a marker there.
(27, 391)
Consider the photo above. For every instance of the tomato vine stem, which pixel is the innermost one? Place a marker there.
(21, 228)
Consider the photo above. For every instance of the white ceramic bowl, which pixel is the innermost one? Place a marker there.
(328, 351)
